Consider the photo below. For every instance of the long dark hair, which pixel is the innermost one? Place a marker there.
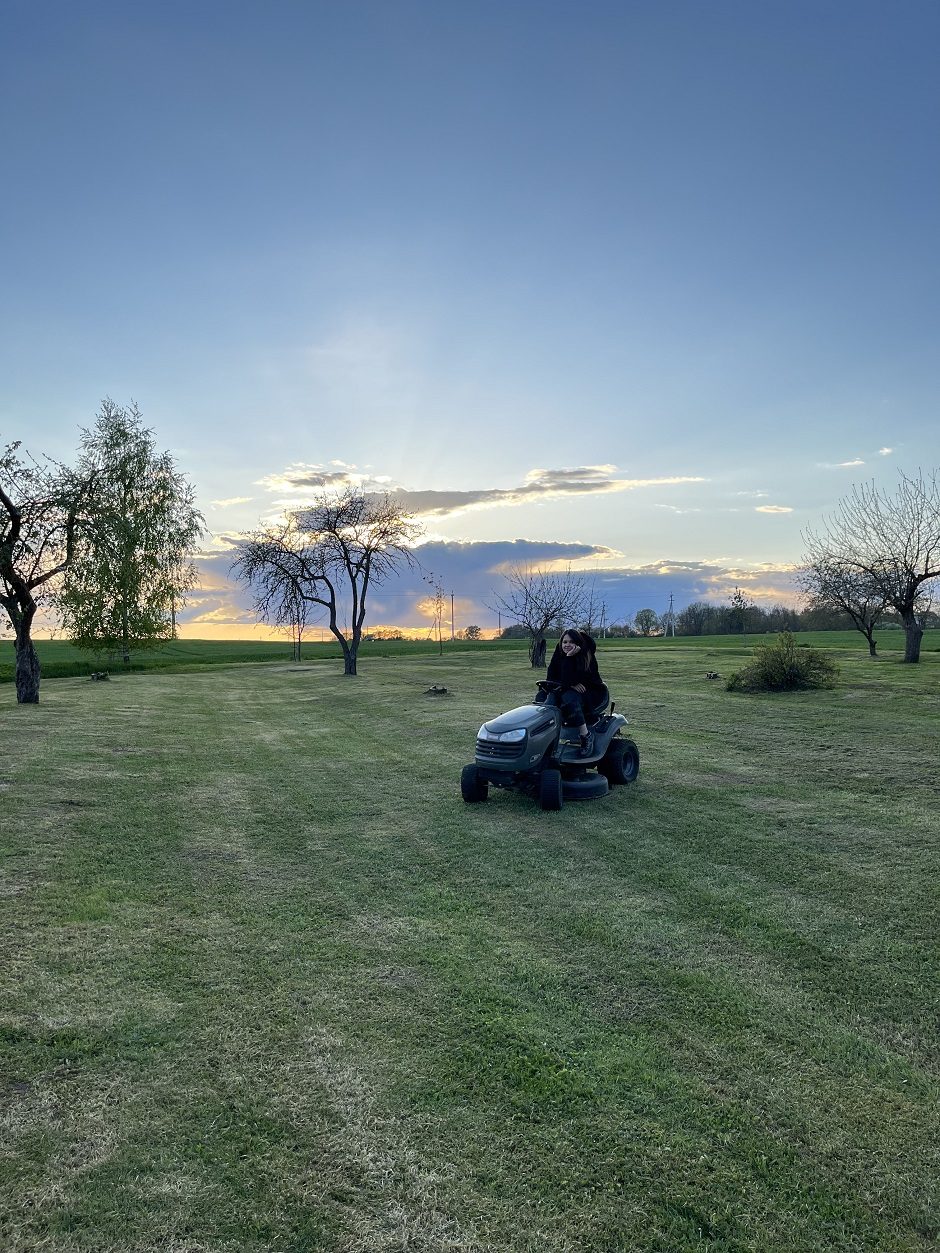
(582, 659)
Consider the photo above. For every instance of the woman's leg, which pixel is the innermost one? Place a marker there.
(572, 709)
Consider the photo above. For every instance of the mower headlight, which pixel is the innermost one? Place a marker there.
(506, 737)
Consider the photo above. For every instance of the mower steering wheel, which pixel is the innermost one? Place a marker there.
(547, 685)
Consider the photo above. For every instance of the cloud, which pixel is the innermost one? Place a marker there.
(301, 480)
(229, 501)
(885, 452)
(582, 474)
(473, 572)
(772, 509)
(538, 485)
(841, 465)
(221, 614)
(220, 543)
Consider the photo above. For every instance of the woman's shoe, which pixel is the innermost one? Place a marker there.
(587, 745)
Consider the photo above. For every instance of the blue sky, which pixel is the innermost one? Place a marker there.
(644, 285)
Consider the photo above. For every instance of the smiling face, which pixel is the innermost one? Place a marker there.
(568, 646)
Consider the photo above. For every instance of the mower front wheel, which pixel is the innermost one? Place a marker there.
(550, 791)
(472, 788)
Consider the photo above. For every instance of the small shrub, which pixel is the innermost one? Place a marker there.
(782, 667)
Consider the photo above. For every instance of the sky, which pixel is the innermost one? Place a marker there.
(640, 287)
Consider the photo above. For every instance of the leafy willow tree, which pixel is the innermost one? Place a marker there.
(329, 555)
(133, 566)
(538, 599)
(891, 545)
(42, 509)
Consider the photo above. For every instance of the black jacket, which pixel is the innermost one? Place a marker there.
(567, 671)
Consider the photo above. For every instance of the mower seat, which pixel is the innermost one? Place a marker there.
(595, 709)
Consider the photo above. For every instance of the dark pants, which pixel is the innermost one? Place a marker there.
(569, 702)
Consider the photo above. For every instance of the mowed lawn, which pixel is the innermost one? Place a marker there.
(268, 984)
(61, 658)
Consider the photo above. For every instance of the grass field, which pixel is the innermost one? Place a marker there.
(268, 984)
(60, 659)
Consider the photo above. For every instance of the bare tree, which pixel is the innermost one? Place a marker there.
(538, 599)
(590, 613)
(436, 603)
(831, 584)
(892, 543)
(295, 616)
(41, 509)
(329, 555)
(740, 612)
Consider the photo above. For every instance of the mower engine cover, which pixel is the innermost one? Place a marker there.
(517, 739)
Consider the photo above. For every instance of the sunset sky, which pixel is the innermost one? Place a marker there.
(641, 286)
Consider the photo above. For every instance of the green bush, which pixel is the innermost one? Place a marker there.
(782, 667)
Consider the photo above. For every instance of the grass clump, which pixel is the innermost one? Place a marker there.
(781, 666)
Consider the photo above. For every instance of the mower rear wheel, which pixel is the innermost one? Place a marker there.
(472, 788)
(621, 762)
(550, 793)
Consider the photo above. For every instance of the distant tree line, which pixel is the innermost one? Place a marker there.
(706, 618)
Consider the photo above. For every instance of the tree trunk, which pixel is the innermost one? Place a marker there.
(913, 634)
(537, 653)
(349, 662)
(27, 671)
(869, 635)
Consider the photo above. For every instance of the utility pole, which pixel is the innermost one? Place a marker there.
(452, 616)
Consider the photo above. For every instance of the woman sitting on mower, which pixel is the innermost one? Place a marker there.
(574, 666)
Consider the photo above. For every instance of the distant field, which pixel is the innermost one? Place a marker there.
(266, 983)
(61, 659)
